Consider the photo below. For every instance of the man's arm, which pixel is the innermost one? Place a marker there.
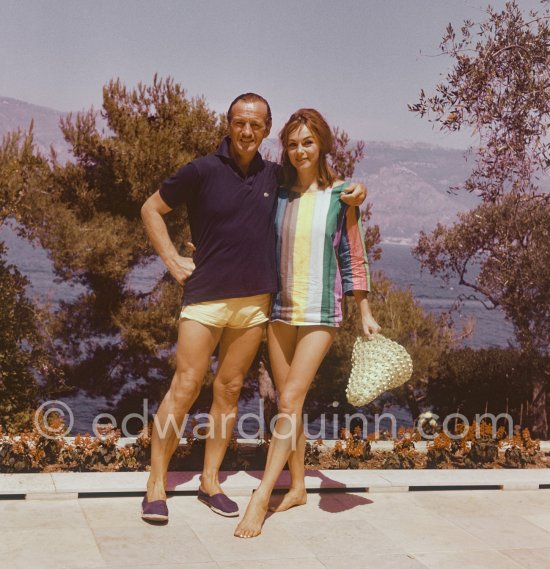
(151, 214)
(354, 194)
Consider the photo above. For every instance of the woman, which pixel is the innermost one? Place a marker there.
(321, 255)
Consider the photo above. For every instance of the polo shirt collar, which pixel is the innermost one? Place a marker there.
(223, 151)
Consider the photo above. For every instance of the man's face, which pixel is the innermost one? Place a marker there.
(248, 127)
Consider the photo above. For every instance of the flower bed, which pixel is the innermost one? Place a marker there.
(34, 452)
(485, 451)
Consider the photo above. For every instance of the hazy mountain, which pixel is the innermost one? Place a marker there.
(408, 182)
(408, 185)
(16, 114)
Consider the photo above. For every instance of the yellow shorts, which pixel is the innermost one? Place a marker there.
(242, 312)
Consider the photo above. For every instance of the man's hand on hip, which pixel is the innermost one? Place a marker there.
(181, 268)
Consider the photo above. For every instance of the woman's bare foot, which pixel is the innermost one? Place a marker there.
(253, 520)
(291, 498)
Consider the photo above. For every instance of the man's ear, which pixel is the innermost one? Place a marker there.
(267, 131)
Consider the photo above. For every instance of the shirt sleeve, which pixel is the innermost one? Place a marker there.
(181, 187)
(352, 255)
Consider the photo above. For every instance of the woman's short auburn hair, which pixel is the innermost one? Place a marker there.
(320, 129)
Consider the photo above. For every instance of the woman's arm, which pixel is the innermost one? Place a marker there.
(352, 256)
(354, 267)
(369, 324)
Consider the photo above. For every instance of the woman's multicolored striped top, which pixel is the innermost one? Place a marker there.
(320, 256)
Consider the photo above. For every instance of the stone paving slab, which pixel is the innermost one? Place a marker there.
(482, 529)
(25, 483)
(242, 483)
(473, 477)
(112, 482)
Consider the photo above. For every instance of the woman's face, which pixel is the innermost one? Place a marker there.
(303, 149)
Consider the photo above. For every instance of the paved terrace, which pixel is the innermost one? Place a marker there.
(383, 519)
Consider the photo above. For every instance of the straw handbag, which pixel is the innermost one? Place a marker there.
(377, 364)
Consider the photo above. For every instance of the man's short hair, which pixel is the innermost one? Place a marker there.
(250, 98)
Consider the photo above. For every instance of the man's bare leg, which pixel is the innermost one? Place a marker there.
(196, 343)
(237, 350)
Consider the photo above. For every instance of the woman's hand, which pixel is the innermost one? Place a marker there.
(354, 194)
(370, 326)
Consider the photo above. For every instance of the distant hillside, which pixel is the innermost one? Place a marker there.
(408, 185)
(16, 114)
(408, 182)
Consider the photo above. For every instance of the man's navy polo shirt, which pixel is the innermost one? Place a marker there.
(232, 225)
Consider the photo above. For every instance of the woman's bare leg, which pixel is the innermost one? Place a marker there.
(282, 345)
(312, 344)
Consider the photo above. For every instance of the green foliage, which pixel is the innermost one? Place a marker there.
(498, 88)
(343, 158)
(469, 381)
(509, 242)
(22, 171)
(425, 335)
(27, 370)
(86, 213)
(404, 455)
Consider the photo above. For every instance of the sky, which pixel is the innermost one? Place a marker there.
(359, 62)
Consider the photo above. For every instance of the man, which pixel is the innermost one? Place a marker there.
(230, 197)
